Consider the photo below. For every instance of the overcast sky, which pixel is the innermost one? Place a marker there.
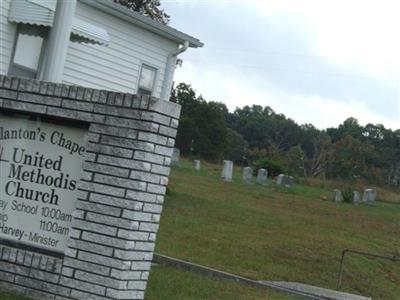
(316, 61)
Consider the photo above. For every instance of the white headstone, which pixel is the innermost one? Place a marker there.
(247, 174)
(337, 196)
(369, 196)
(196, 164)
(374, 193)
(280, 179)
(356, 197)
(262, 176)
(227, 170)
(176, 154)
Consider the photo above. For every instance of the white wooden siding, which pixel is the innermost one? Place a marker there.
(113, 67)
(117, 66)
(7, 35)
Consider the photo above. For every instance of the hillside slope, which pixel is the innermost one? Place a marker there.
(268, 233)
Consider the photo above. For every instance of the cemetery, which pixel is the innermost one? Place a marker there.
(280, 225)
(105, 195)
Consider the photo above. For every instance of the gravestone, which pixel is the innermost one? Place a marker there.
(356, 197)
(83, 179)
(196, 165)
(227, 170)
(288, 181)
(262, 176)
(247, 174)
(337, 196)
(369, 196)
(280, 179)
(176, 154)
(285, 180)
(374, 193)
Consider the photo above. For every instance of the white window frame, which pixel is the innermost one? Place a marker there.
(20, 70)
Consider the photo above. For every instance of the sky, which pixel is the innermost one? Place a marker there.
(315, 61)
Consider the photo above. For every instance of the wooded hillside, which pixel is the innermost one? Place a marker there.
(349, 152)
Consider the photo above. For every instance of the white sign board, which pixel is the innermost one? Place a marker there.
(40, 165)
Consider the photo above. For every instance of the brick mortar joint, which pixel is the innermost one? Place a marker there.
(90, 116)
(58, 90)
(32, 254)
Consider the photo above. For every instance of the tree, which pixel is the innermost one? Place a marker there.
(262, 127)
(148, 8)
(393, 161)
(387, 143)
(313, 162)
(349, 127)
(236, 146)
(353, 159)
(202, 129)
(349, 151)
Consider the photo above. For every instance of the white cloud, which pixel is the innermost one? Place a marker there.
(315, 61)
(236, 89)
(355, 33)
(322, 112)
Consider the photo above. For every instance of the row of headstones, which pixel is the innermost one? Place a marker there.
(262, 174)
(369, 196)
(227, 173)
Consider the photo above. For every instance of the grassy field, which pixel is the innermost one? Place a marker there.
(172, 284)
(269, 233)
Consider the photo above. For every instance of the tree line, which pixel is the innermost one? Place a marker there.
(254, 133)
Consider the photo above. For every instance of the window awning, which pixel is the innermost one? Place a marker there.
(41, 13)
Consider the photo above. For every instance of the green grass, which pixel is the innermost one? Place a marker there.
(9, 296)
(168, 283)
(269, 233)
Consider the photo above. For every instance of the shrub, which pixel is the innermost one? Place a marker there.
(274, 168)
(347, 195)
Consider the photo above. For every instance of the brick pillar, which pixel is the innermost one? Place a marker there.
(121, 192)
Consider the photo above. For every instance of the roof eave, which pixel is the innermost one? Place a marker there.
(144, 22)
